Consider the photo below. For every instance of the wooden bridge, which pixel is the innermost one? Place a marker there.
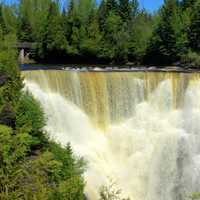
(24, 51)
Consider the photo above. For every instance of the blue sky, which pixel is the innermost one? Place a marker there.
(150, 5)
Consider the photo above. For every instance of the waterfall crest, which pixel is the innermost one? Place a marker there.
(142, 129)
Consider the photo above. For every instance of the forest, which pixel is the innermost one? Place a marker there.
(110, 32)
(32, 167)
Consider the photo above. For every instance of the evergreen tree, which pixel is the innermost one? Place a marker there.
(114, 46)
(141, 32)
(163, 47)
(104, 10)
(102, 15)
(81, 30)
(54, 42)
(89, 45)
(71, 28)
(128, 9)
(10, 19)
(25, 26)
(188, 3)
(194, 30)
(112, 5)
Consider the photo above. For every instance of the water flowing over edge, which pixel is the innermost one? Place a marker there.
(139, 129)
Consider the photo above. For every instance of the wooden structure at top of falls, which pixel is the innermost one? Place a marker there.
(24, 51)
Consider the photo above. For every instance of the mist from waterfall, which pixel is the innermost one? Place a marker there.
(140, 129)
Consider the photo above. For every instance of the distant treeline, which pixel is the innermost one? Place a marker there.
(115, 31)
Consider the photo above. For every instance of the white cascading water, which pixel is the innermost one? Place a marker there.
(141, 130)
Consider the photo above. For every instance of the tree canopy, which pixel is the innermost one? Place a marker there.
(113, 31)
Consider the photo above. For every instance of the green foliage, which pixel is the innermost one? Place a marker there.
(71, 183)
(110, 192)
(66, 156)
(10, 80)
(188, 3)
(8, 19)
(112, 6)
(52, 173)
(194, 31)
(13, 146)
(54, 42)
(116, 31)
(45, 179)
(114, 43)
(163, 42)
(128, 9)
(195, 196)
(191, 59)
(113, 32)
(141, 32)
(83, 31)
(29, 114)
(25, 26)
(31, 167)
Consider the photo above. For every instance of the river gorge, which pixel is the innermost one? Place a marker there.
(140, 129)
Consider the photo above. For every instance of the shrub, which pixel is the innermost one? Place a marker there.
(29, 113)
(13, 147)
(42, 176)
(195, 196)
(111, 192)
(191, 59)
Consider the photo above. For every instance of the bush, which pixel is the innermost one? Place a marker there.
(191, 59)
(13, 146)
(195, 196)
(70, 181)
(29, 113)
(47, 177)
(111, 192)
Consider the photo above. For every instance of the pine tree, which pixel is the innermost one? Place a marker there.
(104, 10)
(71, 29)
(55, 43)
(10, 19)
(102, 15)
(24, 24)
(112, 5)
(194, 30)
(141, 32)
(187, 3)
(89, 45)
(163, 47)
(128, 9)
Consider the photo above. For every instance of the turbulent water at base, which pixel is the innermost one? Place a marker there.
(140, 129)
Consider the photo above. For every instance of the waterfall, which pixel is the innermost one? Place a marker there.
(141, 129)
